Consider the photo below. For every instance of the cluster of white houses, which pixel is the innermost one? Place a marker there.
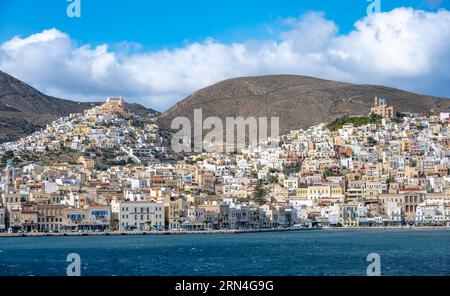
(392, 172)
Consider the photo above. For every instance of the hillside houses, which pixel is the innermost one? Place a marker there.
(393, 172)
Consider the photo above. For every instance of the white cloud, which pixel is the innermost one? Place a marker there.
(405, 48)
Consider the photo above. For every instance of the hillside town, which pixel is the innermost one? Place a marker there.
(386, 169)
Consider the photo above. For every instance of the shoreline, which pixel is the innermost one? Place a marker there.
(225, 231)
(165, 232)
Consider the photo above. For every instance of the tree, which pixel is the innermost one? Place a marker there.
(371, 141)
(390, 180)
(7, 156)
(244, 199)
(16, 160)
(375, 118)
(272, 180)
(328, 172)
(356, 121)
(259, 195)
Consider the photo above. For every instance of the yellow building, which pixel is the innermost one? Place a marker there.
(348, 215)
(174, 210)
(322, 192)
(406, 145)
(302, 192)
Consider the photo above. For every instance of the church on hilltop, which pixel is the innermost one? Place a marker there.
(111, 106)
(382, 108)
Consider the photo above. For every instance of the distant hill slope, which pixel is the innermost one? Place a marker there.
(24, 109)
(298, 101)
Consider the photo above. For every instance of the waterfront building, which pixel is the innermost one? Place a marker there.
(50, 217)
(75, 219)
(89, 218)
(2, 219)
(141, 216)
(195, 219)
(348, 215)
(174, 213)
(13, 218)
(28, 219)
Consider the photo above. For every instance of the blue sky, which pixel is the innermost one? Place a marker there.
(168, 23)
(156, 52)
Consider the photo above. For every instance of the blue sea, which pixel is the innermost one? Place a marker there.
(321, 252)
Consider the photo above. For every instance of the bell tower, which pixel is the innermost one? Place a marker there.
(376, 102)
(10, 176)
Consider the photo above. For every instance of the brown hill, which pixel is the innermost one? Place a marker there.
(298, 101)
(24, 109)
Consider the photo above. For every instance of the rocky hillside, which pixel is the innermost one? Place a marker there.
(298, 101)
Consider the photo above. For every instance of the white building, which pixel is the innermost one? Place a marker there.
(394, 212)
(137, 184)
(195, 218)
(291, 183)
(142, 216)
(432, 214)
(444, 116)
